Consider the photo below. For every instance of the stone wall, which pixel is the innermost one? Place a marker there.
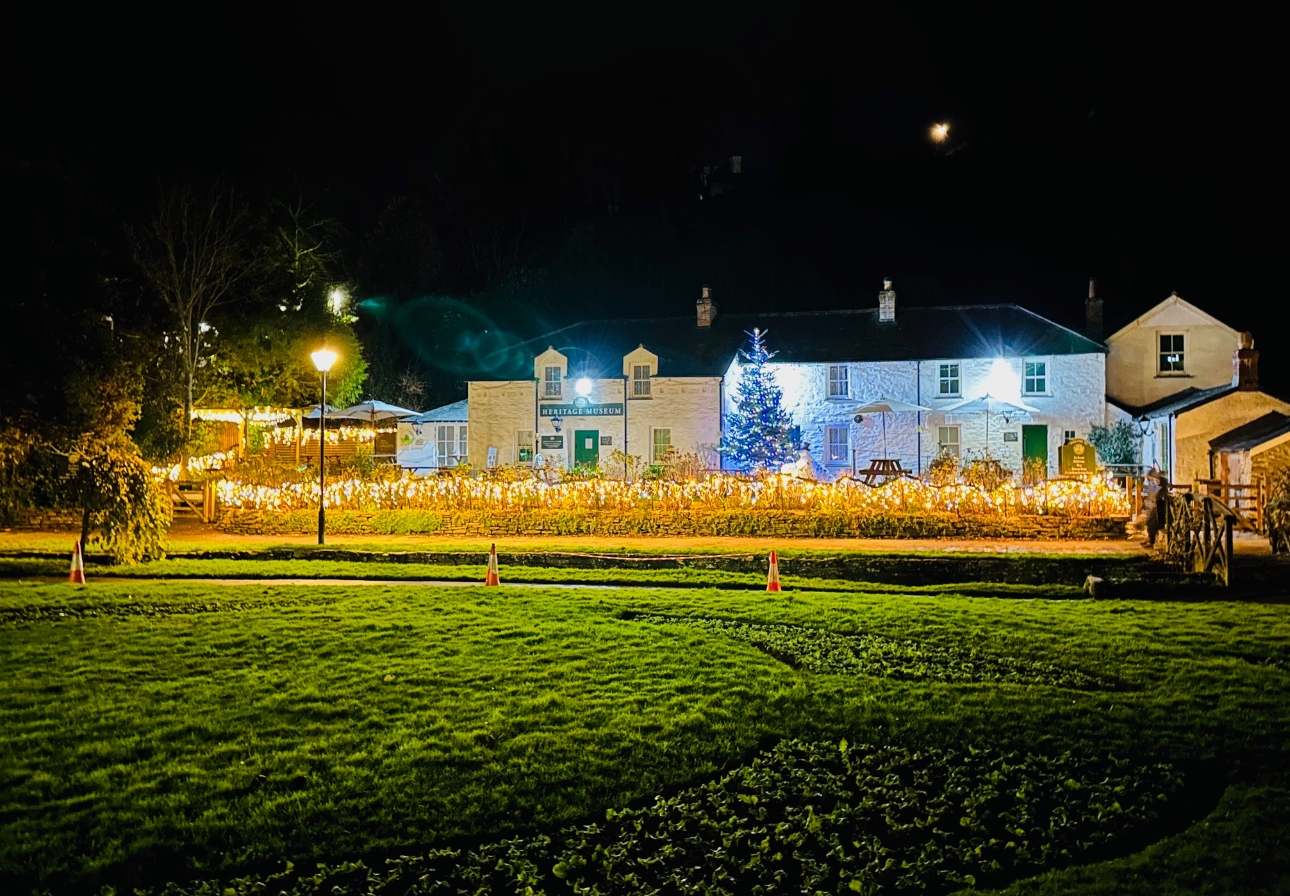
(1269, 465)
(1074, 401)
(1194, 429)
(780, 524)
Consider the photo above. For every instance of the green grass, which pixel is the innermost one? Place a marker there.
(340, 569)
(175, 730)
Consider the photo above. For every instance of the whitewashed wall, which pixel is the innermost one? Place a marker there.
(1075, 401)
(689, 406)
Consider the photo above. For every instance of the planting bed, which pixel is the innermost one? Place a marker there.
(818, 817)
(820, 650)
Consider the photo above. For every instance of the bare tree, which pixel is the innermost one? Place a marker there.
(193, 251)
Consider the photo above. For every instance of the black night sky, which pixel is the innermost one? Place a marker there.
(530, 172)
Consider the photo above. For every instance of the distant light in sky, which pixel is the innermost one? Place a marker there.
(940, 133)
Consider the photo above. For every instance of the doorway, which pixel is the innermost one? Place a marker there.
(1034, 452)
(586, 448)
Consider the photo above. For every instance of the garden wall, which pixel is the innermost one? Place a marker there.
(778, 523)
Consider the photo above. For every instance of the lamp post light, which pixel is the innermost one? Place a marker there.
(323, 359)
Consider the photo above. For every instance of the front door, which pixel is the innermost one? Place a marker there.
(1034, 451)
(586, 447)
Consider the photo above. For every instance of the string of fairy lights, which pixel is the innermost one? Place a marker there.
(1094, 497)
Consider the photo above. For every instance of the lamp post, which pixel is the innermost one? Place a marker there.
(323, 359)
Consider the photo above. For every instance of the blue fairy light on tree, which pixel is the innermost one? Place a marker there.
(758, 433)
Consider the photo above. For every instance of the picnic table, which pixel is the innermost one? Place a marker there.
(881, 468)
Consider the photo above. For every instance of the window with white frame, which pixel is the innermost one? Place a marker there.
(524, 446)
(1172, 353)
(949, 383)
(640, 381)
(839, 381)
(836, 449)
(947, 441)
(1035, 381)
(450, 442)
(551, 382)
(1068, 434)
(662, 444)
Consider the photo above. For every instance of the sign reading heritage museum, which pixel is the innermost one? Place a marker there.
(581, 410)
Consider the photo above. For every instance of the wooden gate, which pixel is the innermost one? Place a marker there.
(1246, 501)
(1198, 533)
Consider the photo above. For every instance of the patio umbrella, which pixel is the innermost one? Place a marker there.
(372, 410)
(884, 406)
(990, 404)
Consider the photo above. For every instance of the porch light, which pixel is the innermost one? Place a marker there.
(583, 387)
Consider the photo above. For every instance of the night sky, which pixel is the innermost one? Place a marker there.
(1085, 147)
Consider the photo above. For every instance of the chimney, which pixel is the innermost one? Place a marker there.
(705, 308)
(1245, 365)
(736, 164)
(887, 302)
(1093, 313)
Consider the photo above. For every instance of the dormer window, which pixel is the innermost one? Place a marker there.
(1172, 353)
(640, 381)
(551, 381)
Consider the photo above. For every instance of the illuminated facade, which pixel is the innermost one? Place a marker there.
(644, 386)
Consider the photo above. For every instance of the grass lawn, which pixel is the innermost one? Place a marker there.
(176, 730)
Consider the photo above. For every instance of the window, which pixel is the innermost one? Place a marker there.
(1036, 379)
(949, 381)
(1068, 434)
(839, 381)
(640, 381)
(835, 444)
(524, 447)
(947, 441)
(1171, 353)
(662, 444)
(450, 442)
(551, 382)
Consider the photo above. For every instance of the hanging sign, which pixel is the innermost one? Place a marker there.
(581, 410)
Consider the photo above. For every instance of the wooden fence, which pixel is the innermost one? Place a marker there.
(1198, 533)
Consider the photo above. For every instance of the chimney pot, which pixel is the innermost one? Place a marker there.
(1245, 364)
(1093, 313)
(705, 308)
(886, 302)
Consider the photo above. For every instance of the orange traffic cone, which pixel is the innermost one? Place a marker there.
(77, 575)
(772, 575)
(491, 577)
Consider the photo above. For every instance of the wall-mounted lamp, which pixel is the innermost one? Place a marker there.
(555, 422)
(1143, 426)
(583, 387)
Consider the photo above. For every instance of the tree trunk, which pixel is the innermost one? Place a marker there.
(85, 527)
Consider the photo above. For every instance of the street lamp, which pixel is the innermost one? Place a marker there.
(324, 358)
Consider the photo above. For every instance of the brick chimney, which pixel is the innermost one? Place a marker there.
(1245, 365)
(705, 308)
(887, 302)
(1093, 313)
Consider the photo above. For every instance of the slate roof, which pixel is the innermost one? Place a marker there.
(449, 413)
(1252, 434)
(1178, 403)
(932, 333)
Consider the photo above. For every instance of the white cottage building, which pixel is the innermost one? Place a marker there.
(644, 386)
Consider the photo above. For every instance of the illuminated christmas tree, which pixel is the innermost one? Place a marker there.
(759, 433)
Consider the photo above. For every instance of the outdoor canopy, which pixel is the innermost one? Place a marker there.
(885, 406)
(990, 404)
(372, 410)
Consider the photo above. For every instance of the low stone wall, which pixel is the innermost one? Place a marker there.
(779, 524)
(49, 521)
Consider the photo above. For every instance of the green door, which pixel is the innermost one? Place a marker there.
(586, 447)
(1034, 450)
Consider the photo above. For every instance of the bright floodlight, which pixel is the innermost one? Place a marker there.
(940, 133)
(1003, 381)
(582, 387)
(324, 358)
(338, 299)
